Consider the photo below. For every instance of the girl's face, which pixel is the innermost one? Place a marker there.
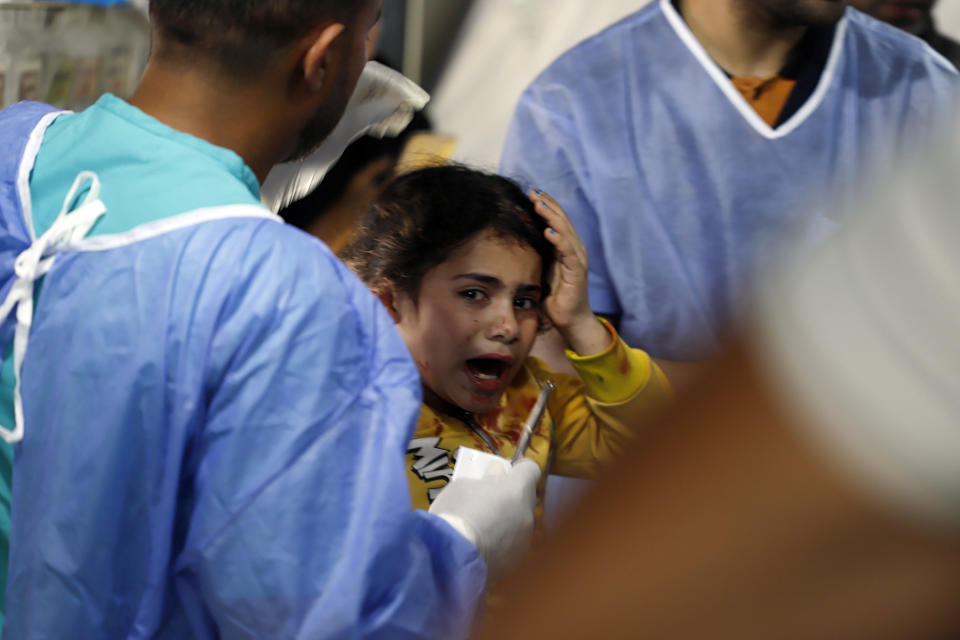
(474, 321)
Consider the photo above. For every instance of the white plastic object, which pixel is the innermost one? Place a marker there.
(475, 464)
(382, 104)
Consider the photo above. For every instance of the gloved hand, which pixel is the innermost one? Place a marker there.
(494, 512)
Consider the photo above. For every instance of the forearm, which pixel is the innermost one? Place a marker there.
(622, 393)
(549, 348)
(586, 336)
(618, 374)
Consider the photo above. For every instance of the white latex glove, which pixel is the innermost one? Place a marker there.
(494, 512)
(382, 104)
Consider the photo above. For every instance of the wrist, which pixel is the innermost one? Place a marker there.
(460, 526)
(586, 336)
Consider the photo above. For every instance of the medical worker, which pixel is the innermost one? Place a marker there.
(208, 411)
(810, 488)
(693, 139)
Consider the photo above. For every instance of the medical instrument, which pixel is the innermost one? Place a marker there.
(532, 420)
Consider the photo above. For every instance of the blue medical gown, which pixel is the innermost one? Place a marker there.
(215, 421)
(680, 193)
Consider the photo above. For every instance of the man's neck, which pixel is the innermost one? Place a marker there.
(234, 117)
(745, 42)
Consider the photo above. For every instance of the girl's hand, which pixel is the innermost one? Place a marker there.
(568, 306)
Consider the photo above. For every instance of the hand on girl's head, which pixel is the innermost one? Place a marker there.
(568, 281)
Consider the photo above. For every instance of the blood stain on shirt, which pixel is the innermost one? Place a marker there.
(527, 402)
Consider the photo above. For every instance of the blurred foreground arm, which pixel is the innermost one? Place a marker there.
(808, 487)
(778, 545)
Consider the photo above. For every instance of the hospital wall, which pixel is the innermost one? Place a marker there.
(948, 17)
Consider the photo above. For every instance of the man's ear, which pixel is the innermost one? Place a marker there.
(388, 299)
(317, 58)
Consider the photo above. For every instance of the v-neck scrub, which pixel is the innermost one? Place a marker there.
(680, 192)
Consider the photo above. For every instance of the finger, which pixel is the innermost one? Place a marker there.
(527, 470)
(565, 248)
(551, 211)
(554, 215)
(567, 244)
(553, 207)
(558, 229)
(494, 468)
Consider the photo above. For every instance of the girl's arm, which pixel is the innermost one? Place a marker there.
(617, 388)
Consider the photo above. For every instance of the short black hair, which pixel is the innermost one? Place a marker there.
(423, 216)
(243, 34)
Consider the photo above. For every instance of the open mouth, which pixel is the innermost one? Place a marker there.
(487, 373)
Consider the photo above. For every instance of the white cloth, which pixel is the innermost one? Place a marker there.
(864, 338)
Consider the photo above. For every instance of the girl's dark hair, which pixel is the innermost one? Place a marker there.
(423, 216)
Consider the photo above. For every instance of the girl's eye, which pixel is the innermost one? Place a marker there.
(472, 294)
(527, 304)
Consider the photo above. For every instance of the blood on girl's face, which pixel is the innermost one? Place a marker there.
(474, 321)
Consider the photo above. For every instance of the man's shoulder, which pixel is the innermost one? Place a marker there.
(149, 171)
(294, 265)
(24, 114)
(605, 49)
(949, 48)
(225, 250)
(880, 44)
(258, 272)
(17, 124)
(260, 245)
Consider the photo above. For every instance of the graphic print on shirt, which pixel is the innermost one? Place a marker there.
(430, 462)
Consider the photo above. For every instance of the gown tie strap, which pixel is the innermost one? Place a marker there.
(33, 263)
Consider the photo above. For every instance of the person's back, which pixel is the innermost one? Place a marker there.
(677, 186)
(211, 410)
(165, 443)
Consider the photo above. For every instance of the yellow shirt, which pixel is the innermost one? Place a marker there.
(586, 423)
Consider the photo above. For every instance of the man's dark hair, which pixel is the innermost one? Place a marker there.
(425, 215)
(241, 35)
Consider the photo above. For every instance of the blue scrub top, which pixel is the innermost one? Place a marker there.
(680, 193)
(216, 412)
